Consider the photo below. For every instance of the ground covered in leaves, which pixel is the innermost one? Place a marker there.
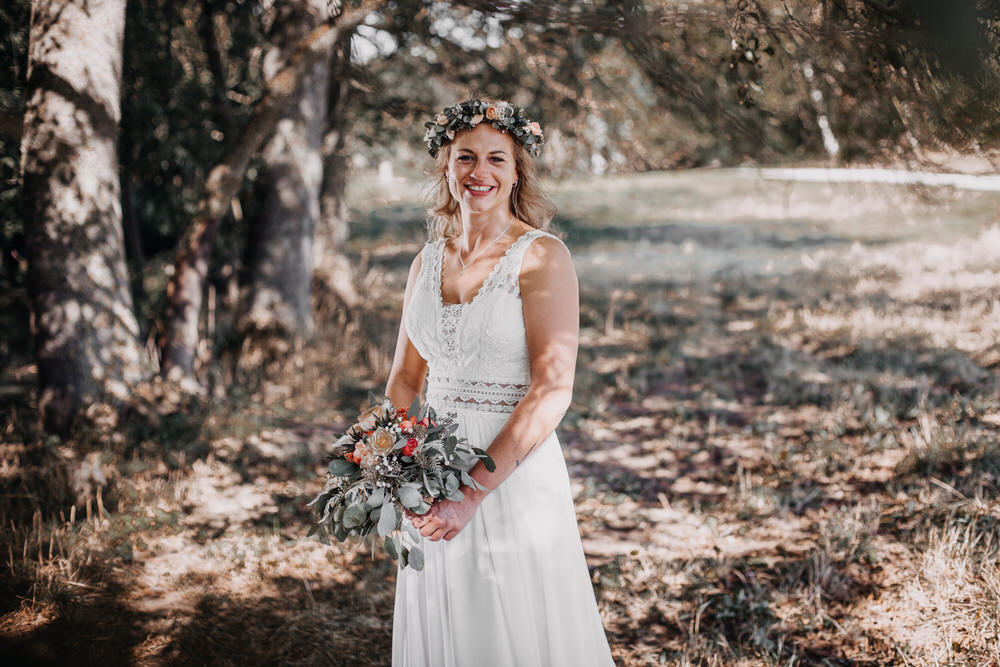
(784, 446)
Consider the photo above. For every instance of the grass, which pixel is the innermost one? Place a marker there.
(784, 447)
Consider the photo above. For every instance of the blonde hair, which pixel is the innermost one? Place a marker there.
(527, 200)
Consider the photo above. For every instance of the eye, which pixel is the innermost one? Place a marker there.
(464, 158)
(496, 159)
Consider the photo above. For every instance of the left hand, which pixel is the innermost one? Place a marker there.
(446, 518)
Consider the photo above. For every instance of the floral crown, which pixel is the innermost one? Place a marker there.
(467, 115)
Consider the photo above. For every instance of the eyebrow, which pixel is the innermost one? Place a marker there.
(499, 150)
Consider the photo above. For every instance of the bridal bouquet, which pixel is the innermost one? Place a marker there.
(393, 459)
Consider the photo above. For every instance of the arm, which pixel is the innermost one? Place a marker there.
(551, 305)
(409, 369)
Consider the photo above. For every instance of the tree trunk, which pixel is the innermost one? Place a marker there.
(330, 266)
(278, 304)
(186, 287)
(84, 328)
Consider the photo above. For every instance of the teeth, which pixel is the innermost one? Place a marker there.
(480, 188)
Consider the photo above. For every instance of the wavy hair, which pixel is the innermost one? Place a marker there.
(527, 200)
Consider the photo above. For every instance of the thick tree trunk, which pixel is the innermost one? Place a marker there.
(84, 328)
(278, 303)
(330, 266)
(186, 287)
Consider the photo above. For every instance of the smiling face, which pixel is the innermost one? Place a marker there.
(481, 169)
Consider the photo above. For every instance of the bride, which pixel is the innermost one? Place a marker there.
(490, 319)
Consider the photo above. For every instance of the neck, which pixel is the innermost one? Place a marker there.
(482, 228)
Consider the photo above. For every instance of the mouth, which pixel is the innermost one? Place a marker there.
(479, 190)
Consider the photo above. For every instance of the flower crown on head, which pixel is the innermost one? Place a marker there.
(466, 115)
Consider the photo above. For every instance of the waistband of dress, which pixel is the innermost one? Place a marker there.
(446, 393)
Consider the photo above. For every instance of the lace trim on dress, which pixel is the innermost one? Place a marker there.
(481, 395)
(450, 314)
(501, 276)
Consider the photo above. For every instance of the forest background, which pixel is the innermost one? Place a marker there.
(784, 433)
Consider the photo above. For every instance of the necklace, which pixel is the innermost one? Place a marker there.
(466, 265)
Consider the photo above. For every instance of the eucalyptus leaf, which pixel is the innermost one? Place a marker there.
(412, 531)
(403, 554)
(414, 406)
(416, 558)
(390, 547)
(342, 467)
(354, 516)
(449, 445)
(388, 519)
(456, 496)
(471, 481)
(451, 483)
(320, 502)
(375, 499)
(409, 495)
(485, 458)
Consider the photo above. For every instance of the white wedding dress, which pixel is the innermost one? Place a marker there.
(512, 588)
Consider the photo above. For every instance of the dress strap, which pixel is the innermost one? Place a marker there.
(430, 257)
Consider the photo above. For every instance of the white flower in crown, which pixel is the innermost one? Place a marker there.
(442, 119)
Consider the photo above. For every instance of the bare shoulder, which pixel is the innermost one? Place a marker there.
(547, 262)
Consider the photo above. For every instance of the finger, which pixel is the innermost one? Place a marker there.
(437, 534)
(429, 528)
(450, 535)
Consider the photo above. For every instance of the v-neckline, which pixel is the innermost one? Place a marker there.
(489, 276)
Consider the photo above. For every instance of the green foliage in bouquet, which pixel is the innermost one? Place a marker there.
(392, 460)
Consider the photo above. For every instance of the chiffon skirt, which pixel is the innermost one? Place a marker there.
(512, 588)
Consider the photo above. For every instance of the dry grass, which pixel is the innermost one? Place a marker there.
(784, 450)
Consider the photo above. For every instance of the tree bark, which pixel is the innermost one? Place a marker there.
(278, 303)
(330, 266)
(84, 329)
(186, 287)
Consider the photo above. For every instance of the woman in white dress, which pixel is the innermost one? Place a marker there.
(490, 321)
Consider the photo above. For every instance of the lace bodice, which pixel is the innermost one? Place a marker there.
(476, 352)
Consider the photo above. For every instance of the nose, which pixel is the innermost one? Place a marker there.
(479, 171)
